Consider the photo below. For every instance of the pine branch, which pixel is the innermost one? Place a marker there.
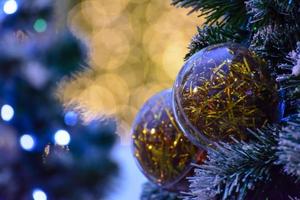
(209, 35)
(154, 192)
(265, 12)
(232, 170)
(291, 67)
(226, 12)
(289, 147)
(274, 42)
(289, 82)
(289, 138)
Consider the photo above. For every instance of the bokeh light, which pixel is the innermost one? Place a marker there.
(62, 137)
(71, 118)
(109, 53)
(27, 142)
(7, 112)
(39, 194)
(102, 13)
(137, 49)
(40, 25)
(10, 7)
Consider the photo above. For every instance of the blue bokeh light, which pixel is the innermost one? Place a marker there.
(71, 118)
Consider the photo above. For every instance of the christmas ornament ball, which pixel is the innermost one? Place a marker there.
(220, 92)
(162, 152)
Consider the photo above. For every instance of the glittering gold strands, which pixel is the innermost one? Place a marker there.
(161, 149)
(225, 92)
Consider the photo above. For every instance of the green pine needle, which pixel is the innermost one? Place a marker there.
(154, 192)
(232, 170)
(225, 12)
(215, 34)
(289, 147)
(265, 12)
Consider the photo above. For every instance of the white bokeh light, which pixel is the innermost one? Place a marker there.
(10, 7)
(7, 112)
(62, 137)
(27, 142)
(38, 194)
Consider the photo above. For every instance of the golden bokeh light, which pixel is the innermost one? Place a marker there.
(98, 99)
(136, 50)
(109, 53)
(141, 94)
(102, 13)
(173, 50)
(115, 83)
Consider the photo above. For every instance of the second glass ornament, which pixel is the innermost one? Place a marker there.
(163, 153)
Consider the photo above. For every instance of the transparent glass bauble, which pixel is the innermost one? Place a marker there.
(162, 151)
(220, 92)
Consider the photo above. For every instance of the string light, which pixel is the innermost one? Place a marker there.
(27, 142)
(62, 137)
(10, 7)
(39, 194)
(7, 112)
(71, 118)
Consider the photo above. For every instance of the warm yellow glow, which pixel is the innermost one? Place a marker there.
(171, 65)
(102, 13)
(117, 86)
(109, 49)
(136, 49)
(98, 99)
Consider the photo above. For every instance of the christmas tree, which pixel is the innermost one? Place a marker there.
(236, 99)
(227, 129)
(46, 152)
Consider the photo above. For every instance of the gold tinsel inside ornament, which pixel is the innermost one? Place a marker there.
(220, 92)
(163, 153)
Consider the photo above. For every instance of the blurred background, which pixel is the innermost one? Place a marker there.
(136, 49)
(77, 146)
